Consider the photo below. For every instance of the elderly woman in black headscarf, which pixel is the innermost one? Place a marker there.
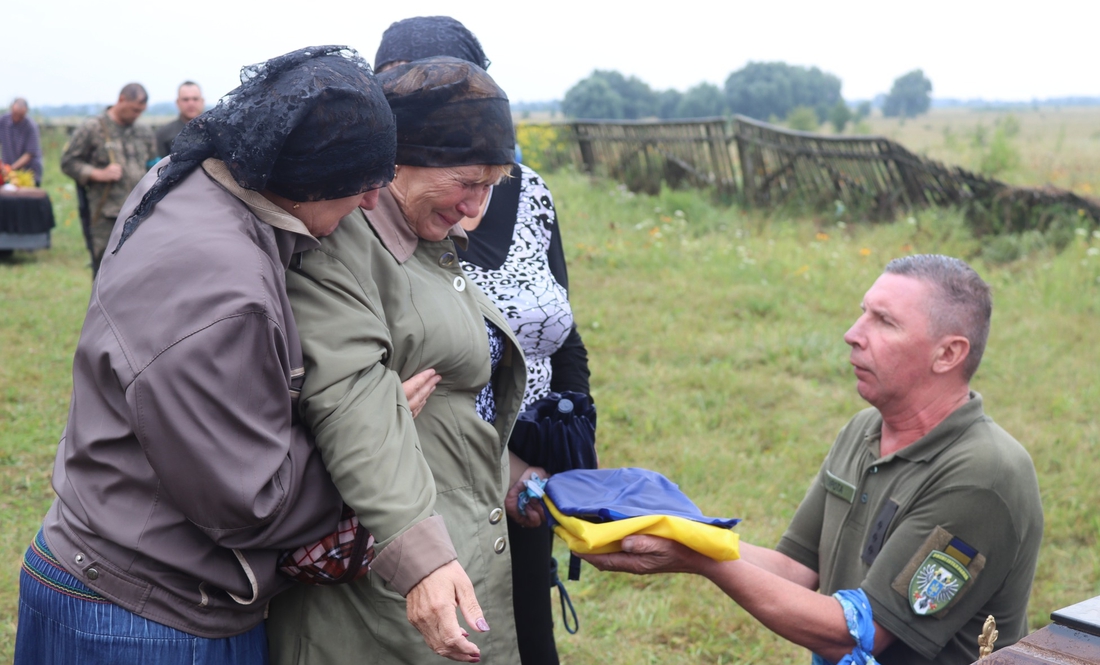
(183, 470)
(515, 255)
(383, 300)
(425, 37)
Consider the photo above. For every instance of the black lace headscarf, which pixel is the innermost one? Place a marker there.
(427, 36)
(449, 113)
(311, 125)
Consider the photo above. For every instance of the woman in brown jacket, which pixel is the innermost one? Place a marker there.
(183, 469)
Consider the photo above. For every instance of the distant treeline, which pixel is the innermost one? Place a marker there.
(772, 91)
(769, 91)
(551, 107)
(701, 101)
(81, 110)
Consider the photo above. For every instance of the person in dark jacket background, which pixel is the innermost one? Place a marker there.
(190, 103)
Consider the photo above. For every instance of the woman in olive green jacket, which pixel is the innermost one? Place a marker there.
(381, 302)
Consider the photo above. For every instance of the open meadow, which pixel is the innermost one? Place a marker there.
(715, 341)
(1037, 145)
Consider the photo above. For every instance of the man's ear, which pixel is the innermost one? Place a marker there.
(951, 353)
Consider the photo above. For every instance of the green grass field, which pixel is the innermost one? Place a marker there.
(1035, 146)
(715, 343)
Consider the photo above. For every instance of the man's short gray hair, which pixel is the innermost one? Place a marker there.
(961, 301)
(134, 92)
(20, 102)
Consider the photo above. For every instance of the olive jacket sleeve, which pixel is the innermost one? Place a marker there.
(357, 410)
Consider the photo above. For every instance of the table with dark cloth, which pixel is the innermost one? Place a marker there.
(26, 218)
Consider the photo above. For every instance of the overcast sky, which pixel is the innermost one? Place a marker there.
(75, 51)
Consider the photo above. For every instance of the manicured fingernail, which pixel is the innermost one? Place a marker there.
(482, 625)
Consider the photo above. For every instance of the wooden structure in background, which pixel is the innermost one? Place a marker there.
(779, 165)
(642, 154)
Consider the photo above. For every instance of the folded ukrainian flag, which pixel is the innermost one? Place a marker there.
(592, 510)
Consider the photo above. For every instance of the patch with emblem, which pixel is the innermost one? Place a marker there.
(941, 571)
(936, 582)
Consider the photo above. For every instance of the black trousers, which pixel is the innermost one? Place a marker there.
(531, 552)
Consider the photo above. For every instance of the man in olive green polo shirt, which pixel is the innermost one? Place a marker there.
(924, 518)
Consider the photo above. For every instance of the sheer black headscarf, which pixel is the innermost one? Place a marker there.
(449, 113)
(310, 125)
(426, 36)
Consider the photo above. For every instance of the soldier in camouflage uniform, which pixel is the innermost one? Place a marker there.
(107, 156)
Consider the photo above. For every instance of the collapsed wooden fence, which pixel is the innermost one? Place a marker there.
(779, 165)
(643, 154)
(775, 165)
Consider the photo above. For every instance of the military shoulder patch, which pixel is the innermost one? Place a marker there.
(940, 572)
(936, 583)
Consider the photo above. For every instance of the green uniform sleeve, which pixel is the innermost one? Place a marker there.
(80, 157)
(800, 541)
(980, 518)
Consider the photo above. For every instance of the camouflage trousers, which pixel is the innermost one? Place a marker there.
(100, 234)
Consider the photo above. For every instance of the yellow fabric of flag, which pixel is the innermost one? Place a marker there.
(585, 537)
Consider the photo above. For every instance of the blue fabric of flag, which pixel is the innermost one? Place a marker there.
(607, 495)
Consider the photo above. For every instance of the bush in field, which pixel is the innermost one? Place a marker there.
(1018, 221)
(544, 147)
(998, 154)
(910, 96)
(839, 116)
(763, 89)
(803, 119)
(1001, 155)
(863, 111)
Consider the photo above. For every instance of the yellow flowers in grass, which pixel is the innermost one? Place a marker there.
(544, 146)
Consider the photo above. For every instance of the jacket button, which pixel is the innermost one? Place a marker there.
(92, 574)
(79, 558)
(447, 259)
(499, 545)
(495, 515)
(460, 284)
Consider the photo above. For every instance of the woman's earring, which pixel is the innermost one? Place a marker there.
(296, 206)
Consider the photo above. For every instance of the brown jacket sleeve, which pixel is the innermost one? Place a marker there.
(213, 414)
